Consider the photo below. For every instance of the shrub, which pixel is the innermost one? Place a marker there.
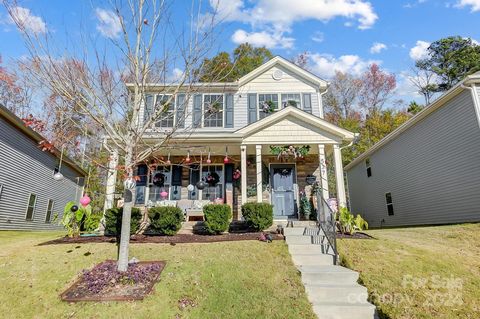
(113, 221)
(92, 222)
(217, 218)
(347, 223)
(72, 218)
(165, 220)
(258, 216)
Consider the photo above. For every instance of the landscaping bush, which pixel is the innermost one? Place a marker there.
(165, 220)
(217, 218)
(113, 221)
(93, 221)
(258, 216)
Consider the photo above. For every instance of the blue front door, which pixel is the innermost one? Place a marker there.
(282, 180)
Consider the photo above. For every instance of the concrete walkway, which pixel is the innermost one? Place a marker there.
(332, 290)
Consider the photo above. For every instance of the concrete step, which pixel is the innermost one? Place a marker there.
(304, 249)
(339, 310)
(293, 231)
(313, 259)
(315, 275)
(304, 223)
(350, 293)
(298, 240)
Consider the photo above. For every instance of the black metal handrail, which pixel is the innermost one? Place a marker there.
(327, 222)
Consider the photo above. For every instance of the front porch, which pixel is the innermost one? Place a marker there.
(262, 162)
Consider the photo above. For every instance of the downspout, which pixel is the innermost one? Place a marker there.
(320, 100)
(476, 100)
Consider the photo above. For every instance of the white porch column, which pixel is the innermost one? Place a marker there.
(341, 196)
(111, 180)
(243, 168)
(258, 154)
(322, 163)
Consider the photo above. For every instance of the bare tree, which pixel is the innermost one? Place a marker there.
(15, 93)
(424, 81)
(377, 87)
(341, 99)
(110, 88)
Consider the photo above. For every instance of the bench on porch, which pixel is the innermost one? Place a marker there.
(192, 209)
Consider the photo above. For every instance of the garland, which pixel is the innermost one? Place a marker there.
(290, 150)
(268, 107)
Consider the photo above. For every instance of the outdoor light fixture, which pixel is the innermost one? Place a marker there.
(59, 176)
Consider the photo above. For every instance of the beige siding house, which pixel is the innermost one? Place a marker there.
(276, 105)
(428, 170)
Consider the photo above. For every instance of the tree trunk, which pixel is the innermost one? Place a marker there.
(129, 197)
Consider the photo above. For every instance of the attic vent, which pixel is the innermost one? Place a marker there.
(277, 75)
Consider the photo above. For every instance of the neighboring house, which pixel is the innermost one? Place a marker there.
(427, 171)
(29, 196)
(225, 127)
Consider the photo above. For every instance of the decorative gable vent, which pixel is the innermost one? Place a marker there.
(277, 75)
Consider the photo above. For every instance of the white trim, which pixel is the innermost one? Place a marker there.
(203, 111)
(33, 208)
(287, 65)
(391, 204)
(476, 102)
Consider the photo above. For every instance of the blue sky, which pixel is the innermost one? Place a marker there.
(344, 35)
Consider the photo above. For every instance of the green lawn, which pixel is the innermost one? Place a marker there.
(421, 272)
(247, 279)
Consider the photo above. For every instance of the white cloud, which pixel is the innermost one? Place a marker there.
(325, 65)
(268, 39)
(175, 76)
(108, 23)
(405, 87)
(318, 37)
(377, 47)
(419, 51)
(474, 4)
(26, 20)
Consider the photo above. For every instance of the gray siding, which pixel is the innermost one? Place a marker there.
(25, 169)
(432, 171)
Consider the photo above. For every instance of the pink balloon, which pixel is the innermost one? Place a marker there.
(85, 200)
(164, 194)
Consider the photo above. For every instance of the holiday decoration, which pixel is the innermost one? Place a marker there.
(158, 179)
(187, 160)
(85, 200)
(290, 150)
(237, 174)
(190, 188)
(74, 208)
(212, 178)
(201, 184)
(168, 160)
(164, 194)
(129, 183)
(268, 107)
(226, 160)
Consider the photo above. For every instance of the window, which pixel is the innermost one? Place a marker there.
(48, 216)
(388, 199)
(32, 201)
(262, 100)
(369, 168)
(1, 190)
(212, 192)
(167, 105)
(157, 190)
(213, 110)
(291, 100)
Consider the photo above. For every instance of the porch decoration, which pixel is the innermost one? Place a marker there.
(212, 178)
(290, 150)
(158, 179)
(190, 188)
(201, 184)
(168, 159)
(164, 194)
(290, 103)
(226, 160)
(208, 157)
(268, 107)
(311, 179)
(85, 200)
(187, 160)
(237, 174)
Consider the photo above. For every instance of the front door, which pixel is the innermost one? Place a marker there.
(282, 181)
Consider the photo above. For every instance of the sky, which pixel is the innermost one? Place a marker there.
(344, 35)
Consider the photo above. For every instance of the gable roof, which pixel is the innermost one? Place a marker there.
(291, 111)
(18, 124)
(435, 105)
(278, 60)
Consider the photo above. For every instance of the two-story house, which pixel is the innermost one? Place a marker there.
(255, 139)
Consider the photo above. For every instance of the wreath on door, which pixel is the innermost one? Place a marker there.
(212, 179)
(158, 179)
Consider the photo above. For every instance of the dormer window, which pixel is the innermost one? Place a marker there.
(267, 104)
(291, 100)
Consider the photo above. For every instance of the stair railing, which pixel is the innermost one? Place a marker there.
(327, 222)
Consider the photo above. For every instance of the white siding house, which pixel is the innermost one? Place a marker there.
(428, 170)
(29, 196)
(239, 136)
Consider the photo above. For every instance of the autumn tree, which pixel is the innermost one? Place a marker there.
(340, 102)
(111, 92)
(15, 94)
(377, 87)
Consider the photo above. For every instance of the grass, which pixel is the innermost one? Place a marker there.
(247, 279)
(420, 272)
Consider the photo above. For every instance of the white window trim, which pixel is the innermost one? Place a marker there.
(391, 204)
(203, 111)
(51, 212)
(279, 99)
(28, 206)
(150, 183)
(221, 177)
(174, 100)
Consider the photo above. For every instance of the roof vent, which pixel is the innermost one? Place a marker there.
(277, 75)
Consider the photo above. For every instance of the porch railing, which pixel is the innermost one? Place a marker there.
(327, 223)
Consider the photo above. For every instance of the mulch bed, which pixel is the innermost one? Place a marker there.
(357, 235)
(176, 239)
(104, 283)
